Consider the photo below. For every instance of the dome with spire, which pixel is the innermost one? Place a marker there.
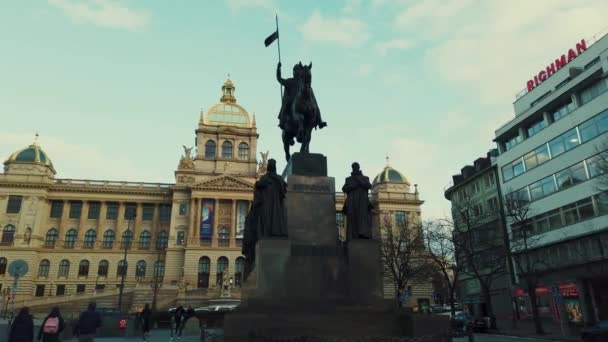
(32, 154)
(390, 175)
(227, 112)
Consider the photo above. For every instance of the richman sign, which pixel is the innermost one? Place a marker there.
(558, 64)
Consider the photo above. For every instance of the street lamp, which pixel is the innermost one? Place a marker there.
(124, 262)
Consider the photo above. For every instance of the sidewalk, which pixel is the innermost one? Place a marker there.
(525, 328)
(156, 335)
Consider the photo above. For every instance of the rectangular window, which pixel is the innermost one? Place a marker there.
(492, 204)
(512, 170)
(80, 288)
(148, 212)
(588, 130)
(595, 165)
(593, 91)
(39, 290)
(563, 143)
(183, 209)
(474, 188)
(602, 122)
(536, 127)
(512, 142)
(60, 291)
(339, 221)
(601, 201)
(542, 188)
(585, 208)
(165, 212)
(562, 110)
(112, 211)
(130, 210)
(94, 210)
(400, 218)
(570, 214)
(56, 209)
(75, 209)
(14, 204)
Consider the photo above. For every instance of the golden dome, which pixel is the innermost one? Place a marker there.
(390, 175)
(227, 112)
(32, 154)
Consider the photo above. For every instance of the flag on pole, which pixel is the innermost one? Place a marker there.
(270, 39)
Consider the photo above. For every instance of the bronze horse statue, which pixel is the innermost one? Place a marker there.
(304, 114)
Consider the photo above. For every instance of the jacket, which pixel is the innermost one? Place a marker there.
(88, 322)
(42, 336)
(22, 329)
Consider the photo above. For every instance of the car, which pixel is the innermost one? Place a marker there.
(222, 305)
(596, 333)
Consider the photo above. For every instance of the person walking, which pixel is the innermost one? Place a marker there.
(51, 327)
(88, 324)
(22, 328)
(146, 314)
(179, 321)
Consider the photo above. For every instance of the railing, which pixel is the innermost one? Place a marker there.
(114, 184)
(205, 242)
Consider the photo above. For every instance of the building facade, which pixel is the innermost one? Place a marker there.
(479, 236)
(548, 162)
(182, 240)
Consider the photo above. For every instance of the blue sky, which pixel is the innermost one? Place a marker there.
(115, 87)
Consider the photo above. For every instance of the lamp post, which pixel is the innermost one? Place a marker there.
(124, 263)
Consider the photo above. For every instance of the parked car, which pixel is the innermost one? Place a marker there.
(595, 333)
(219, 305)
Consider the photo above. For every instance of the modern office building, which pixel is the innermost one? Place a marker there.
(480, 229)
(548, 162)
(184, 241)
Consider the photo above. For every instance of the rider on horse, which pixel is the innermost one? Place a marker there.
(291, 89)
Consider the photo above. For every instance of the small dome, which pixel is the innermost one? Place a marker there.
(390, 175)
(227, 112)
(31, 154)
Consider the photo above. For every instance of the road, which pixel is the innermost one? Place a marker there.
(499, 338)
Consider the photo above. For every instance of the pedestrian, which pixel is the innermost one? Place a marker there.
(88, 324)
(22, 328)
(398, 298)
(178, 320)
(146, 314)
(51, 327)
(189, 313)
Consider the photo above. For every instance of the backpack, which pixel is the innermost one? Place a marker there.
(51, 326)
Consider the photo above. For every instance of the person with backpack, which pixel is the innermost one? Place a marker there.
(51, 327)
(145, 315)
(179, 321)
(22, 328)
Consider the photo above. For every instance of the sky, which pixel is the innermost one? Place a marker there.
(115, 87)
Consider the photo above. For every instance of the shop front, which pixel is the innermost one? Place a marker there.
(549, 298)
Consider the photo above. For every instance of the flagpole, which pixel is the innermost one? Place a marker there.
(276, 16)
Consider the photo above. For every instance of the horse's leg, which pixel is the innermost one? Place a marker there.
(301, 134)
(286, 143)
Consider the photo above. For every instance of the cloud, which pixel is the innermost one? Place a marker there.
(105, 13)
(242, 4)
(491, 48)
(393, 44)
(364, 70)
(342, 31)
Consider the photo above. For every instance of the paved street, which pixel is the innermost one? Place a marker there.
(500, 338)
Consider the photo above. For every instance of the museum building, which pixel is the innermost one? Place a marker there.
(182, 241)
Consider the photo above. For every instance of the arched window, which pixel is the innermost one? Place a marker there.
(127, 238)
(240, 270)
(83, 268)
(108, 239)
(159, 269)
(89, 238)
(243, 151)
(224, 236)
(64, 268)
(144, 239)
(8, 235)
(162, 240)
(43, 268)
(70, 238)
(140, 269)
(102, 269)
(51, 238)
(222, 266)
(122, 268)
(227, 150)
(210, 148)
(204, 265)
(3, 263)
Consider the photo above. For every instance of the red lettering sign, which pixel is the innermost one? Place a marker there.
(559, 63)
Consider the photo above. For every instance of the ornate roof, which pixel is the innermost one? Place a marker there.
(227, 112)
(32, 154)
(390, 175)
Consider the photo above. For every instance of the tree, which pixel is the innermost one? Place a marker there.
(528, 266)
(480, 248)
(442, 257)
(402, 251)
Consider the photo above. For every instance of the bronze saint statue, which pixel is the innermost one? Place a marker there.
(357, 206)
(299, 110)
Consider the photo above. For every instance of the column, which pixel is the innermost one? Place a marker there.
(63, 222)
(82, 226)
(101, 222)
(233, 229)
(216, 222)
(192, 217)
(197, 215)
(138, 218)
(155, 229)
